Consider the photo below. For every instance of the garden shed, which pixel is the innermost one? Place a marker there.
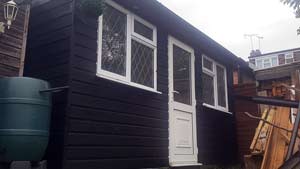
(146, 88)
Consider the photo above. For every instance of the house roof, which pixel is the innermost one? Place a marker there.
(158, 14)
(277, 72)
(271, 53)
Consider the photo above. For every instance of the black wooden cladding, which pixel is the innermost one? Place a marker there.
(101, 124)
(48, 53)
(112, 125)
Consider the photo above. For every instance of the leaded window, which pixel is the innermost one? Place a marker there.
(142, 64)
(127, 48)
(214, 84)
(114, 41)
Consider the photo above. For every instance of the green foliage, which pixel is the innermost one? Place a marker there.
(292, 3)
(92, 8)
(295, 4)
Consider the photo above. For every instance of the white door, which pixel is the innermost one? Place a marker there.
(182, 105)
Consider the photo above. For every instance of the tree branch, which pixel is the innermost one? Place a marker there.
(266, 121)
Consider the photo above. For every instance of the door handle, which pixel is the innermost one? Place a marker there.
(177, 92)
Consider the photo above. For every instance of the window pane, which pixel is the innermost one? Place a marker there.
(208, 89)
(267, 63)
(114, 41)
(259, 64)
(182, 75)
(143, 30)
(142, 64)
(208, 64)
(221, 84)
(289, 58)
(275, 61)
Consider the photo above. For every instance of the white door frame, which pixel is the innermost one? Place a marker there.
(173, 159)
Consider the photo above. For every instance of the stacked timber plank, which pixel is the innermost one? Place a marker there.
(272, 137)
(13, 43)
(260, 138)
(270, 143)
(278, 140)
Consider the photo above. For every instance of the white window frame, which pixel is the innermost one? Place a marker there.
(267, 61)
(214, 75)
(256, 63)
(277, 61)
(139, 19)
(131, 35)
(263, 60)
(289, 56)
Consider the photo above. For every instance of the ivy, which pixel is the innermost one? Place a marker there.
(92, 8)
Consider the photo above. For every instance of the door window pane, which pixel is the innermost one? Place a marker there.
(208, 89)
(221, 86)
(114, 41)
(182, 75)
(142, 64)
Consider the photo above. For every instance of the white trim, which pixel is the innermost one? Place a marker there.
(204, 68)
(213, 74)
(213, 107)
(185, 164)
(172, 158)
(226, 88)
(130, 35)
(129, 83)
(128, 48)
(289, 56)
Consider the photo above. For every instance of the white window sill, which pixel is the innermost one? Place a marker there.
(215, 108)
(129, 84)
(185, 164)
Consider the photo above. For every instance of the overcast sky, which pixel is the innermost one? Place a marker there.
(227, 22)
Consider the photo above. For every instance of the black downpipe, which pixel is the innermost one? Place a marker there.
(270, 101)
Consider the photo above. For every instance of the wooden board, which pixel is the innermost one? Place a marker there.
(13, 43)
(277, 143)
(245, 126)
(263, 132)
(256, 141)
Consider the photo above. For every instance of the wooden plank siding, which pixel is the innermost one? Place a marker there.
(216, 131)
(104, 124)
(13, 43)
(246, 126)
(48, 54)
(109, 129)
